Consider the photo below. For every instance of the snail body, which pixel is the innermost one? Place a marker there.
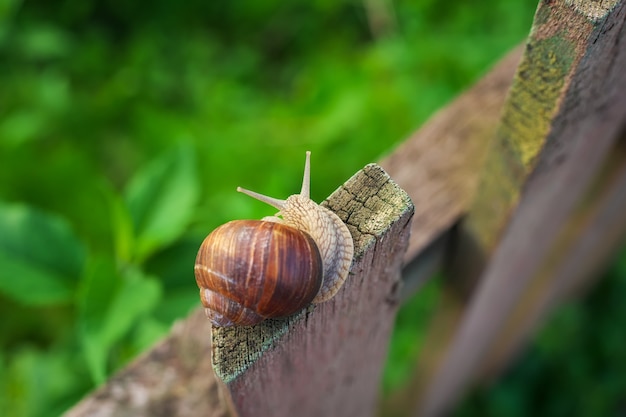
(251, 270)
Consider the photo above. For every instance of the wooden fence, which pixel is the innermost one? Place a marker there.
(517, 190)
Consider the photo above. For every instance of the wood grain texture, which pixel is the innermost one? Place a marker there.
(565, 75)
(564, 114)
(174, 378)
(329, 358)
(584, 245)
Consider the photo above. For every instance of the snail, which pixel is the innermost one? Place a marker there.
(252, 270)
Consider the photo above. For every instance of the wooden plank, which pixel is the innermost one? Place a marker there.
(439, 165)
(564, 113)
(565, 76)
(174, 378)
(584, 246)
(328, 359)
(606, 221)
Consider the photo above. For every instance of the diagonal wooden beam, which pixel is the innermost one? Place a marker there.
(593, 233)
(563, 115)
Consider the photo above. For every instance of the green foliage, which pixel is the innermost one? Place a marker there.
(40, 256)
(110, 304)
(409, 331)
(109, 297)
(161, 201)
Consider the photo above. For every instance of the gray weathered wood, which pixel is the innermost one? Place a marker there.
(439, 165)
(174, 378)
(593, 233)
(565, 112)
(328, 359)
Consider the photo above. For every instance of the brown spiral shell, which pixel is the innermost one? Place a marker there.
(251, 270)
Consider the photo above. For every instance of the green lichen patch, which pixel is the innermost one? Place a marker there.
(535, 95)
(531, 106)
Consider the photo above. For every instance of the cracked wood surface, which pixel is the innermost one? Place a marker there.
(329, 357)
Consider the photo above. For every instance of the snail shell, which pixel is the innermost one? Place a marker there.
(249, 270)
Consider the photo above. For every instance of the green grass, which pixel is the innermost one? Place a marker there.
(126, 127)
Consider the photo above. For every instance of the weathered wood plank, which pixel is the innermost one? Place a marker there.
(439, 165)
(584, 246)
(328, 358)
(565, 76)
(174, 378)
(563, 115)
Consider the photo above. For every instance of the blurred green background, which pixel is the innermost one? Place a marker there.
(126, 126)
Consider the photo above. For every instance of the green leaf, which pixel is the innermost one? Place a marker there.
(121, 224)
(40, 258)
(149, 331)
(41, 382)
(161, 199)
(98, 289)
(110, 304)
